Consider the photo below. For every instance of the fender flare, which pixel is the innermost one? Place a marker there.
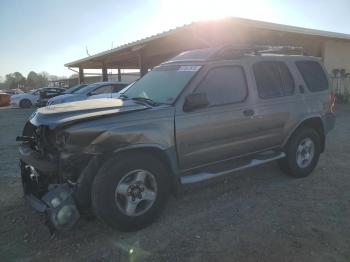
(300, 123)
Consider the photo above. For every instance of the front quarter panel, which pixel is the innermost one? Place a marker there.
(105, 135)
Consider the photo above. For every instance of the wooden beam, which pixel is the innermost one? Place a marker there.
(104, 73)
(119, 75)
(142, 65)
(81, 75)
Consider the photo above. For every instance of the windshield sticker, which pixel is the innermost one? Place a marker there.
(189, 68)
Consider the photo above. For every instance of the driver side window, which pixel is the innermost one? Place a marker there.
(224, 85)
(104, 89)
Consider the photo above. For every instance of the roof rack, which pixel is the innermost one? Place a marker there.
(231, 52)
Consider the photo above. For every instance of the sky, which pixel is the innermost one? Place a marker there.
(43, 35)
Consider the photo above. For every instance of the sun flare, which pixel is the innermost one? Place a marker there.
(184, 11)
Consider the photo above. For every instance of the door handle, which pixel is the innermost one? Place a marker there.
(248, 112)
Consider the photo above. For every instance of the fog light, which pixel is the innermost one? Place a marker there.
(65, 214)
(55, 202)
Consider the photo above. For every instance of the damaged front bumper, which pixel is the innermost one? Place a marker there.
(56, 200)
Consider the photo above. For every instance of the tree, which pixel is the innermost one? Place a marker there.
(35, 80)
(15, 80)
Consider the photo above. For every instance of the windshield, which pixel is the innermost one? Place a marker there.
(87, 89)
(34, 92)
(74, 89)
(163, 84)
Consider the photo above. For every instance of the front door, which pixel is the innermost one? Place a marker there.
(223, 129)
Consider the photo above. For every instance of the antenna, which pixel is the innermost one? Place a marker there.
(87, 51)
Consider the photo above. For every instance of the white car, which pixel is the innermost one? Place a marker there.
(25, 100)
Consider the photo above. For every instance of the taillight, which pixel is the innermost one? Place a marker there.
(332, 102)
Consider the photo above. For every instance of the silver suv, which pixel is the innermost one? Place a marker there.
(203, 114)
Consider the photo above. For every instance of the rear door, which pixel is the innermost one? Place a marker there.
(275, 102)
(221, 130)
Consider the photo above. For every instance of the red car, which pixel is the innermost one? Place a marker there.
(4, 99)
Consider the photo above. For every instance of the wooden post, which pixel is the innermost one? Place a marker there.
(142, 65)
(81, 75)
(119, 75)
(104, 73)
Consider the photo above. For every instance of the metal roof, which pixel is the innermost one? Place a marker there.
(136, 45)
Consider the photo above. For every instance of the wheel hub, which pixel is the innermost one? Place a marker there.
(305, 152)
(136, 192)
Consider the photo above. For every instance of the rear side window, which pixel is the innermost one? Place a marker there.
(224, 85)
(313, 75)
(273, 79)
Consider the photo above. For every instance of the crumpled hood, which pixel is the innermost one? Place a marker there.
(61, 114)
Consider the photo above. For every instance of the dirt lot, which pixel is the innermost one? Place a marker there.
(255, 215)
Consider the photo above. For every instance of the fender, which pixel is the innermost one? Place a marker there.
(309, 117)
(169, 154)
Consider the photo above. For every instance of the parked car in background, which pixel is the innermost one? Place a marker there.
(27, 100)
(111, 95)
(48, 93)
(4, 99)
(87, 91)
(201, 115)
(75, 88)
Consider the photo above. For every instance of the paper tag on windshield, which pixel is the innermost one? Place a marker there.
(189, 68)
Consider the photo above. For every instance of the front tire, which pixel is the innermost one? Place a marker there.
(303, 151)
(129, 192)
(25, 103)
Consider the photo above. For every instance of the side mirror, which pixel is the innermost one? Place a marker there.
(195, 101)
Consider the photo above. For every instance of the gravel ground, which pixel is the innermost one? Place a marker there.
(255, 215)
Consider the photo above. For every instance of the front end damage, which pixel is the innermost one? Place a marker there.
(48, 177)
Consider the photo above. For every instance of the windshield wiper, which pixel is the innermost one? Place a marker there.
(148, 101)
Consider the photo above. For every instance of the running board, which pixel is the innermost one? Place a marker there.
(202, 176)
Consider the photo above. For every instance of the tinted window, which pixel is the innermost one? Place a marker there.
(224, 85)
(273, 79)
(104, 89)
(287, 79)
(118, 87)
(313, 75)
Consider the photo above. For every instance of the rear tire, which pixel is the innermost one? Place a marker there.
(121, 200)
(303, 152)
(25, 103)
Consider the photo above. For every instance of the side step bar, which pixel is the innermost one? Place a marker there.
(202, 176)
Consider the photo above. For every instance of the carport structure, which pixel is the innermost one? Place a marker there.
(146, 53)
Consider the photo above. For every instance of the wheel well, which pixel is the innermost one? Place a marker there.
(24, 100)
(316, 124)
(160, 155)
